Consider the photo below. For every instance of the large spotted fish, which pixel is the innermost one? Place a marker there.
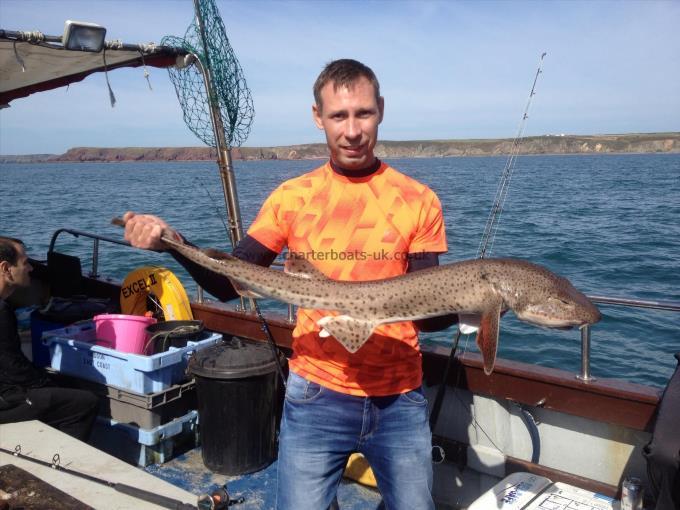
(481, 287)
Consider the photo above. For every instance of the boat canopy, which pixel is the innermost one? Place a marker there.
(32, 62)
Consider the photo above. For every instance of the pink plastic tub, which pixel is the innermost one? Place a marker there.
(125, 333)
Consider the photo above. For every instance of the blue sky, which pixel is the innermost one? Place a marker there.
(448, 69)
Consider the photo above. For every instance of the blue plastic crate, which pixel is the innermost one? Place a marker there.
(143, 447)
(73, 352)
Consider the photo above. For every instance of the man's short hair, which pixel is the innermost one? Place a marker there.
(344, 73)
(8, 250)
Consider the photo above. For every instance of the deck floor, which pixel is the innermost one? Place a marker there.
(258, 489)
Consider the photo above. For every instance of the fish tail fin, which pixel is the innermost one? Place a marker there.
(350, 332)
(487, 335)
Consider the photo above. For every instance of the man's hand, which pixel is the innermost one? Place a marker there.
(145, 230)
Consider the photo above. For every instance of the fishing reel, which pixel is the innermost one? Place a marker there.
(218, 500)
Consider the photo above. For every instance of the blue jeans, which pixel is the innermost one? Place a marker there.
(320, 428)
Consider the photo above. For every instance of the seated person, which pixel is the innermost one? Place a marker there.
(26, 392)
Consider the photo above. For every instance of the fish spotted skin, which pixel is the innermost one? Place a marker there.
(484, 287)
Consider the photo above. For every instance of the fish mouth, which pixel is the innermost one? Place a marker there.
(556, 322)
(561, 312)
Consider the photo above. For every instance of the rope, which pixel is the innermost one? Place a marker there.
(112, 97)
(146, 72)
(116, 44)
(34, 37)
(165, 335)
(19, 59)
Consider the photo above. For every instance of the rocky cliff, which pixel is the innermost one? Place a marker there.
(550, 144)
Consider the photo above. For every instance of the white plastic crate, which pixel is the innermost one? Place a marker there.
(73, 352)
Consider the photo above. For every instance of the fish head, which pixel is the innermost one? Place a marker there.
(554, 302)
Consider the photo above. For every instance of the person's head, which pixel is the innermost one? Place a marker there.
(349, 108)
(15, 268)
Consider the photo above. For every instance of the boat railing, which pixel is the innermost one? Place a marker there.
(95, 246)
(584, 374)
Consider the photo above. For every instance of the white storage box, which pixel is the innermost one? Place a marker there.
(73, 352)
(526, 491)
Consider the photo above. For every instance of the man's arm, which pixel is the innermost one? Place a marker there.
(416, 262)
(145, 230)
(218, 285)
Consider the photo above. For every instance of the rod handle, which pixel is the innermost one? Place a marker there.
(152, 497)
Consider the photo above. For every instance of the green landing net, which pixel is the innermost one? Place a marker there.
(207, 39)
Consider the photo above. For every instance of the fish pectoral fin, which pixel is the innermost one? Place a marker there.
(299, 266)
(487, 336)
(350, 332)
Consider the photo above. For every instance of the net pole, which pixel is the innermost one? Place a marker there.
(224, 160)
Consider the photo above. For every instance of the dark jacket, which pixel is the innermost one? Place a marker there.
(17, 373)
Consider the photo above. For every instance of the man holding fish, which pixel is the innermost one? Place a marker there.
(363, 242)
(354, 218)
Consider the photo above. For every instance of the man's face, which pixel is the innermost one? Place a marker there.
(19, 274)
(350, 117)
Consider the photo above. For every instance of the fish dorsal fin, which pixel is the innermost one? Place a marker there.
(301, 267)
(487, 335)
(350, 332)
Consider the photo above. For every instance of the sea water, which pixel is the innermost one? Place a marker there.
(609, 223)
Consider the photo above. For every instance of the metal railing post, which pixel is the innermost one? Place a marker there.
(95, 258)
(585, 355)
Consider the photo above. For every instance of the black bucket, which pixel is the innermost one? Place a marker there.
(237, 387)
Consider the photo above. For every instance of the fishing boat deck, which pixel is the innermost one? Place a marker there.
(257, 489)
(42, 443)
(608, 419)
(185, 471)
(184, 478)
(454, 488)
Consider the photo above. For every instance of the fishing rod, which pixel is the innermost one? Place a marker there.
(264, 325)
(129, 490)
(493, 220)
(217, 500)
(485, 246)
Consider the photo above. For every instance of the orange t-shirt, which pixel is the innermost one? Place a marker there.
(354, 228)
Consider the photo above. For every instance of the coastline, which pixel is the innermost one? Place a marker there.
(633, 143)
